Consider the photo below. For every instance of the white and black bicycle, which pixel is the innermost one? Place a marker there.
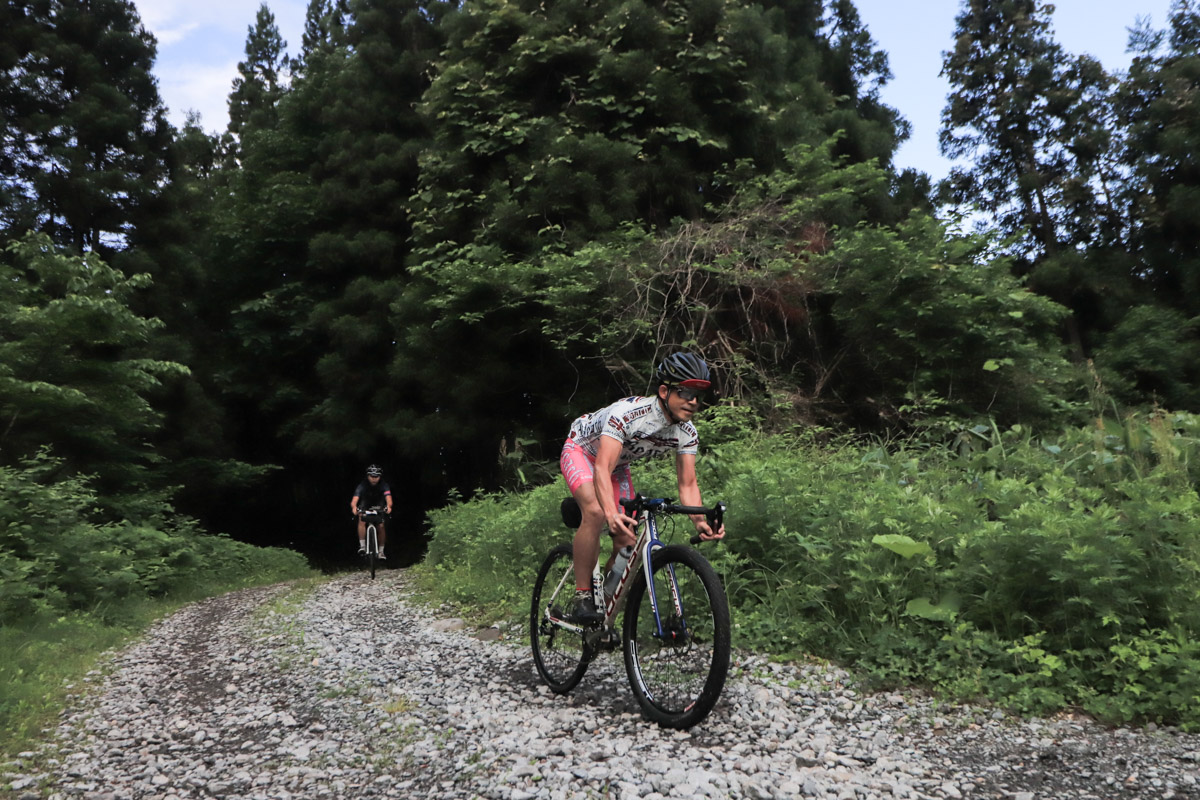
(373, 517)
(675, 636)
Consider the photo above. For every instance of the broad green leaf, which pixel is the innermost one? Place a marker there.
(945, 611)
(902, 545)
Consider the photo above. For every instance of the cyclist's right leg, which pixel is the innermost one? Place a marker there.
(362, 536)
(579, 472)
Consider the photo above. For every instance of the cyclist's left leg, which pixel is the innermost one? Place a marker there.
(382, 529)
(622, 485)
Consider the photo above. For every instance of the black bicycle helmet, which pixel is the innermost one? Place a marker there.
(374, 471)
(684, 369)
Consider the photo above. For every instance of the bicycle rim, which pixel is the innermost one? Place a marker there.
(559, 655)
(677, 675)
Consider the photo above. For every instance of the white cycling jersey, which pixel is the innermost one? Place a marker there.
(640, 425)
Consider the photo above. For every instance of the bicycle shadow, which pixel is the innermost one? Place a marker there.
(605, 687)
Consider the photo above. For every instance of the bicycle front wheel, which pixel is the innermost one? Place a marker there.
(372, 550)
(560, 655)
(677, 661)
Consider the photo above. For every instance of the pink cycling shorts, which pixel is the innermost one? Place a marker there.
(578, 468)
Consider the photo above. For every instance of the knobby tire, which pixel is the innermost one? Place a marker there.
(561, 657)
(677, 678)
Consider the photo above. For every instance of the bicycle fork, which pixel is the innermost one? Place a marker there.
(677, 632)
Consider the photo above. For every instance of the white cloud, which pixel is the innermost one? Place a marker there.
(231, 16)
(200, 43)
(199, 87)
(168, 36)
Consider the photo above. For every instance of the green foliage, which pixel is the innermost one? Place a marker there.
(486, 553)
(56, 557)
(811, 304)
(1037, 572)
(1152, 352)
(72, 370)
(901, 294)
(1149, 676)
(579, 117)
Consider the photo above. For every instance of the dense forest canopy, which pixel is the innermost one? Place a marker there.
(434, 232)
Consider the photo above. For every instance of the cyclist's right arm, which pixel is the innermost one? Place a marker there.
(608, 452)
(354, 502)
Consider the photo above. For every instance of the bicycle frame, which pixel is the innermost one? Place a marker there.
(371, 517)
(643, 550)
(372, 538)
(647, 542)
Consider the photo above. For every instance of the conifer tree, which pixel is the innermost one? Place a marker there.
(1153, 350)
(324, 24)
(262, 219)
(365, 174)
(1034, 121)
(1164, 136)
(1037, 124)
(260, 82)
(86, 136)
(855, 71)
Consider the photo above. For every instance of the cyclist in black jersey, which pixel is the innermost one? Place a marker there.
(372, 493)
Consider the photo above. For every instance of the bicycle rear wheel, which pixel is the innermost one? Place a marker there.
(677, 674)
(560, 655)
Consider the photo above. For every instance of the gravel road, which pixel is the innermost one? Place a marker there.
(351, 691)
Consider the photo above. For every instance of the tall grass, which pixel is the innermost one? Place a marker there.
(1039, 571)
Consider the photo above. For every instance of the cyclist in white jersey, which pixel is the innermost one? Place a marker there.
(605, 442)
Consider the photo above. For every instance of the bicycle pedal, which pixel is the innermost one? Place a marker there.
(606, 639)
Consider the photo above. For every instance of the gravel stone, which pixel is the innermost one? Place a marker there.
(359, 692)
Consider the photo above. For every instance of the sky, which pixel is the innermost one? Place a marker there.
(201, 41)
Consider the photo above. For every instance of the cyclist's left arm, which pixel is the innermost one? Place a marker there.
(387, 496)
(689, 494)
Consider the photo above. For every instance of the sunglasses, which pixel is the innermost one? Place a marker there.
(689, 395)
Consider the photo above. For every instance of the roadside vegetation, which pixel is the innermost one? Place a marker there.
(73, 585)
(1037, 572)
